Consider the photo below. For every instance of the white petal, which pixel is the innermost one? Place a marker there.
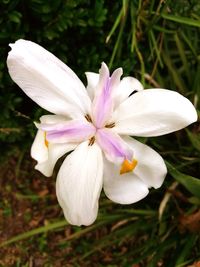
(79, 184)
(55, 151)
(127, 86)
(53, 119)
(123, 189)
(92, 80)
(47, 155)
(154, 112)
(47, 80)
(151, 168)
(39, 150)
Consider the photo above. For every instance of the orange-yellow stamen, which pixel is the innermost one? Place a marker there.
(128, 166)
(45, 140)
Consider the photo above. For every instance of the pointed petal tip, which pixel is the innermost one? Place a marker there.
(103, 64)
(165, 112)
(117, 73)
(104, 68)
(194, 114)
(189, 113)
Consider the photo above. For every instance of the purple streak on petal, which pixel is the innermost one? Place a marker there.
(71, 131)
(103, 101)
(114, 147)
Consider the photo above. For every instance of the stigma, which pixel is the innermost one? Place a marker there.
(128, 166)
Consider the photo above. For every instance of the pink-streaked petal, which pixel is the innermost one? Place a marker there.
(123, 189)
(47, 80)
(153, 112)
(150, 168)
(127, 86)
(114, 147)
(46, 154)
(79, 184)
(70, 131)
(103, 101)
(92, 81)
(39, 149)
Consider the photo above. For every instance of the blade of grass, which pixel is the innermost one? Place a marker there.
(155, 46)
(119, 37)
(142, 65)
(133, 24)
(182, 20)
(194, 139)
(115, 25)
(103, 220)
(181, 51)
(39, 230)
(118, 236)
(174, 72)
(191, 183)
(186, 250)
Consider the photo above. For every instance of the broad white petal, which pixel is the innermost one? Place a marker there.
(92, 80)
(127, 86)
(123, 189)
(39, 150)
(79, 184)
(55, 151)
(47, 80)
(151, 168)
(153, 112)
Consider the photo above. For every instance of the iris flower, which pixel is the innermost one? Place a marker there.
(95, 123)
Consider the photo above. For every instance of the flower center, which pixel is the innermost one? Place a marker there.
(89, 119)
(112, 145)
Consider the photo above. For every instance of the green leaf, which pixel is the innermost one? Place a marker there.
(189, 245)
(39, 230)
(15, 17)
(182, 20)
(195, 139)
(191, 183)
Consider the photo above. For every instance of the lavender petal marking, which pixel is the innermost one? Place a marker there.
(70, 131)
(114, 147)
(103, 102)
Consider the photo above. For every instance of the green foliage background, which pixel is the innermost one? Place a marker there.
(155, 41)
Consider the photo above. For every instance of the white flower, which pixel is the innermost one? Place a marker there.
(94, 124)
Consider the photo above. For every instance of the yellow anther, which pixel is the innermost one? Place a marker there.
(45, 140)
(128, 166)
